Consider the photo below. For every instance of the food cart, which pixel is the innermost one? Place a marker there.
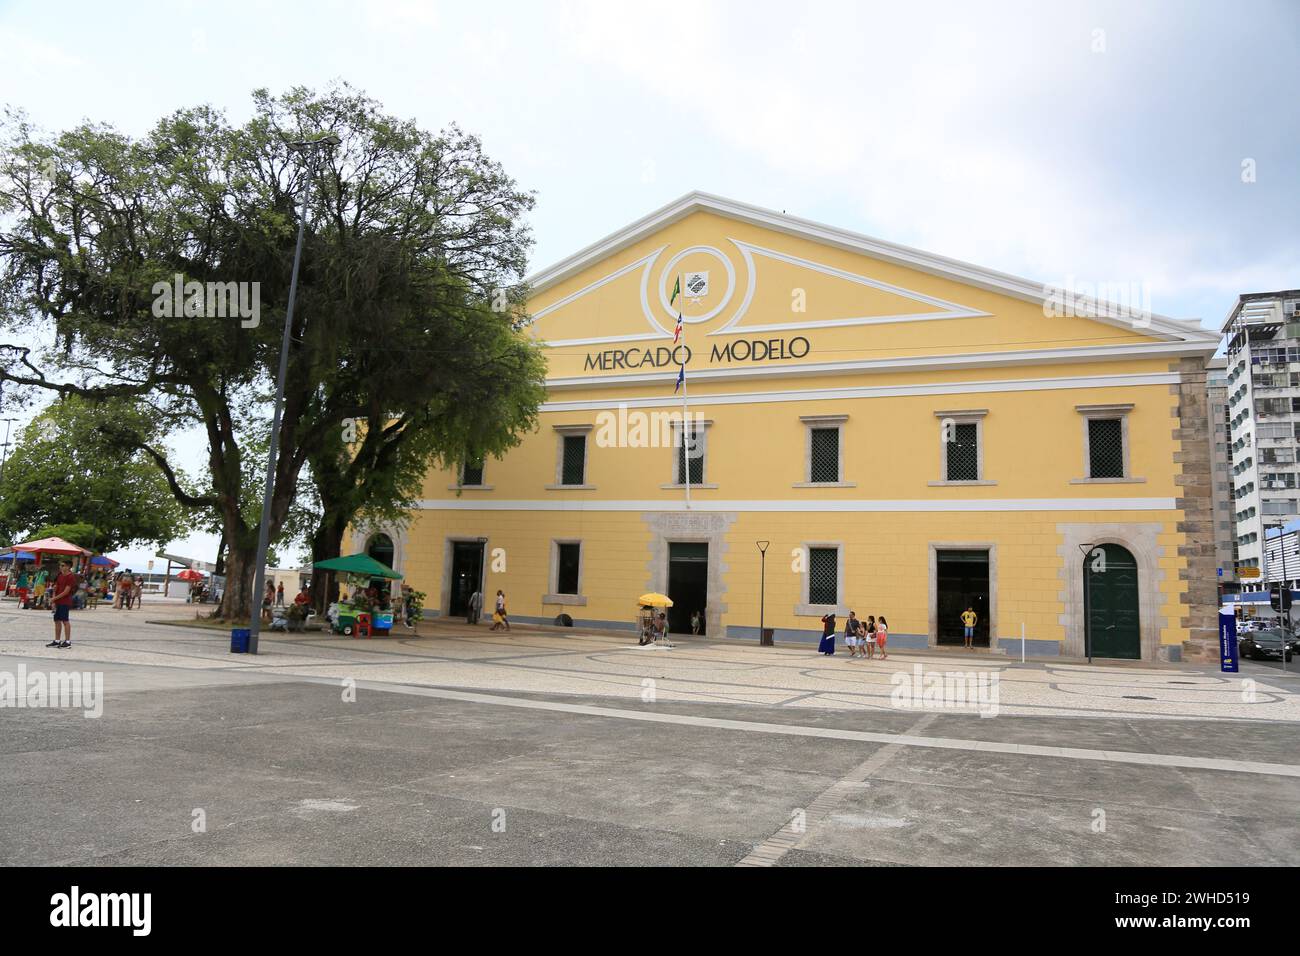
(361, 572)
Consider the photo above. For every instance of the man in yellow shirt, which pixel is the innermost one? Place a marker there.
(968, 619)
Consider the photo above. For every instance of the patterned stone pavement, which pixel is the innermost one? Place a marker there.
(548, 661)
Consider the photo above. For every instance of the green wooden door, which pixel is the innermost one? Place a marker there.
(1111, 599)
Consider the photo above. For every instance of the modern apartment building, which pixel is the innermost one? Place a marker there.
(1262, 338)
(1223, 508)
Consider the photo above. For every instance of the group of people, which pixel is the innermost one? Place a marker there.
(274, 597)
(654, 626)
(35, 590)
(862, 638)
(126, 590)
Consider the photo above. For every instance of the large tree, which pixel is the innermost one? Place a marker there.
(414, 241)
(66, 471)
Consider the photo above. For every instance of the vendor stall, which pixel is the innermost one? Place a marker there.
(369, 607)
(45, 547)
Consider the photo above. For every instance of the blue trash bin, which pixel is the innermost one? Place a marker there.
(239, 640)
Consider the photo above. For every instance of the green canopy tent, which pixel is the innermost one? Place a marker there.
(362, 565)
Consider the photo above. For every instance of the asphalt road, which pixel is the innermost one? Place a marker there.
(285, 770)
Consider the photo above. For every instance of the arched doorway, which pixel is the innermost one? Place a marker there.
(380, 547)
(1110, 600)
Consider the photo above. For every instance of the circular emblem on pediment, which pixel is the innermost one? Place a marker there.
(705, 291)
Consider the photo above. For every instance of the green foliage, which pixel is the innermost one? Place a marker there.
(408, 310)
(417, 606)
(66, 472)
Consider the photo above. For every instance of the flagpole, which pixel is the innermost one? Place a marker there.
(686, 461)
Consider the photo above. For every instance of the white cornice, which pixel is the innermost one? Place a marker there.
(1162, 327)
(611, 401)
(936, 504)
(1105, 353)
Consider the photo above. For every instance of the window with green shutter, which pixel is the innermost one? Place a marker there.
(574, 467)
(823, 576)
(690, 454)
(1105, 448)
(963, 452)
(825, 455)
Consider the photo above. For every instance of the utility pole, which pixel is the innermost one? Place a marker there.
(313, 150)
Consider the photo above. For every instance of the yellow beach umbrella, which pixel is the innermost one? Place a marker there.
(654, 599)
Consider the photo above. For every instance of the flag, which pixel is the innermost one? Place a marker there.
(681, 379)
(677, 333)
(677, 290)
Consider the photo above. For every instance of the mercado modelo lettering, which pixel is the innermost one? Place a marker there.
(742, 350)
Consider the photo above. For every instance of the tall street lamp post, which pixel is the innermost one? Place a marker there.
(762, 592)
(312, 149)
(4, 449)
(1087, 550)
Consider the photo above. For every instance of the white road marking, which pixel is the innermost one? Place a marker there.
(835, 733)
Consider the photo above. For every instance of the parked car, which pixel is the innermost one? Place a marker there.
(1265, 644)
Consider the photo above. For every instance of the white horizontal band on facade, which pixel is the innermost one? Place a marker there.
(879, 391)
(911, 363)
(822, 505)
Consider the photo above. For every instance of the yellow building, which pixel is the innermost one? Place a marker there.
(911, 435)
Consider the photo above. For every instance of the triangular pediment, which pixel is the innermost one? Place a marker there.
(747, 275)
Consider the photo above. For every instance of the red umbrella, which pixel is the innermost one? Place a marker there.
(189, 574)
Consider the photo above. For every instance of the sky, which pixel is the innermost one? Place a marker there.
(1155, 144)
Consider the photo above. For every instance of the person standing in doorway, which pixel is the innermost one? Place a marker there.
(968, 621)
(827, 646)
(65, 586)
(882, 636)
(475, 607)
(695, 623)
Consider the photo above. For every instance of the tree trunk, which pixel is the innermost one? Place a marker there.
(238, 601)
(326, 543)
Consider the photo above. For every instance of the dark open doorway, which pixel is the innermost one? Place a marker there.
(961, 582)
(688, 584)
(466, 572)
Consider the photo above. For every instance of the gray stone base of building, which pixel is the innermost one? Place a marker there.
(577, 622)
(1033, 648)
(1170, 653)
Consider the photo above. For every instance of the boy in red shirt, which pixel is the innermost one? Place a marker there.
(65, 586)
